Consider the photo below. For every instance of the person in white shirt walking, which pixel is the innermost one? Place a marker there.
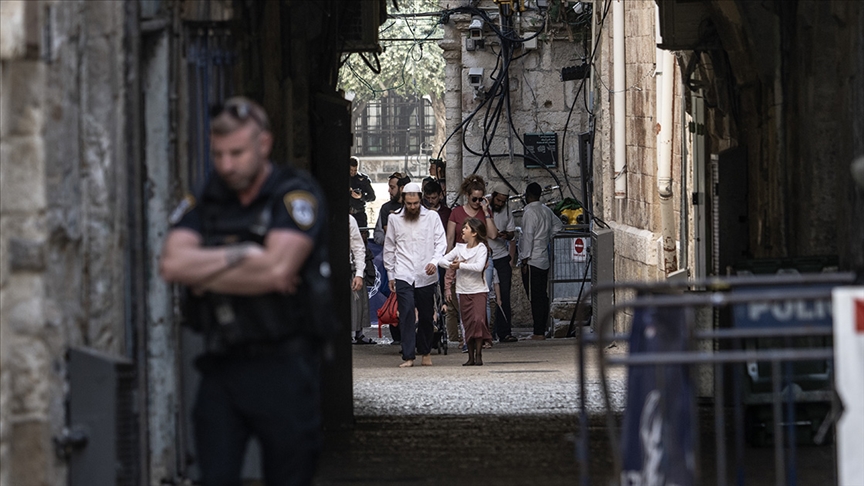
(359, 298)
(414, 243)
(469, 260)
(539, 225)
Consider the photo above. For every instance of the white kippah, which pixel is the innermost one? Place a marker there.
(412, 187)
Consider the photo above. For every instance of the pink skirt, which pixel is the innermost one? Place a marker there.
(473, 310)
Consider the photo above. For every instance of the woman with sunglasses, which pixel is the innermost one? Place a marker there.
(473, 189)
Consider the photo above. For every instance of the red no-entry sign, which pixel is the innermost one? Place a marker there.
(579, 253)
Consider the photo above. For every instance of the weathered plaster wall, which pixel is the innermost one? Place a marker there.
(62, 223)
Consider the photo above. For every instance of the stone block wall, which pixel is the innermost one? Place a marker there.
(62, 217)
(540, 102)
(637, 226)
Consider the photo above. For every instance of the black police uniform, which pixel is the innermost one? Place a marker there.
(357, 207)
(260, 369)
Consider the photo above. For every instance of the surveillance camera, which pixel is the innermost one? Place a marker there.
(475, 28)
(475, 77)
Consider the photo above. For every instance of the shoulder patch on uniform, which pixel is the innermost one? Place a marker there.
(302, 207)
(184, 207)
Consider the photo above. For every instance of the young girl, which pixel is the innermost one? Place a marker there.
(469, 259)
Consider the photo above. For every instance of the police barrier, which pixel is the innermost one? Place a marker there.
(661, 402)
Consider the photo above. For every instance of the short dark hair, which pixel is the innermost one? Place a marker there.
(432, 187)
(354, 161)
(401, 179)
(533, 190)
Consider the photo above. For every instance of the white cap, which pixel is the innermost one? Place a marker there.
(500, 188)
(412, 187)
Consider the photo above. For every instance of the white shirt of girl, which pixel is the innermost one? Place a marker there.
(470, 274)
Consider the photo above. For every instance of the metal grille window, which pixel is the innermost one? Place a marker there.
(210, 58)
(394, 126)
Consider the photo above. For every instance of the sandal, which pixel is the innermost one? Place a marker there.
(509, 339)
(363, 340)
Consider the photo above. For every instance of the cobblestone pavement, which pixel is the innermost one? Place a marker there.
(512, 421)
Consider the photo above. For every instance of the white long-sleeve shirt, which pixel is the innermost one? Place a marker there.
(411, 245)
(470, 274)
(358, 249)
(504, 222)
(539, 225)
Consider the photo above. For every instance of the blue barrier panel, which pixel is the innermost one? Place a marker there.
(378, 293)
(809, 312)
(657, 443)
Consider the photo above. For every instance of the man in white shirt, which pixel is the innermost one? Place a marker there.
(414, 243)
(503, 259)
(359, 298)
(539, 224)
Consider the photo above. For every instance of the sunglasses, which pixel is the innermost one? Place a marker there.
(476, 199)
(240, 111)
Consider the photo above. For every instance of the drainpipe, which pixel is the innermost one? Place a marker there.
(664, 73)
(665, 93)
(619, 113)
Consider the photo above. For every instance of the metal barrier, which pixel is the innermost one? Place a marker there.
(570, 266)
(782, 389)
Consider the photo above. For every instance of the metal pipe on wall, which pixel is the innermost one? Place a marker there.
(665, 92)
(619, 114)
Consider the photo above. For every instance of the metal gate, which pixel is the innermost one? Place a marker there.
(570, 275)
(210, 58)
(772, 374)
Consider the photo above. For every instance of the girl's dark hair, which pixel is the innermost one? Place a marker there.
(472, 183)
(479, 227)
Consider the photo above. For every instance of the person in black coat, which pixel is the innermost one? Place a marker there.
(361, 193)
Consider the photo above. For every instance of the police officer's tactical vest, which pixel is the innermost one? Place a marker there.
(232, 321)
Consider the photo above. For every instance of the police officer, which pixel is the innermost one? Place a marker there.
(361, 193)
(250, 251)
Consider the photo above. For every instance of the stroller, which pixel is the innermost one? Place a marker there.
(439, 335)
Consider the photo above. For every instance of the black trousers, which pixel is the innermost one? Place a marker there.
(416, 336)
(535, 280)
(503, 312)
(272, 396)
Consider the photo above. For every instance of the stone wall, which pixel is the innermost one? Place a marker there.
(62, 217)
(539, 100)
(637, 222)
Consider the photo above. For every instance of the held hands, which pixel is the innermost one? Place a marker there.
(455, 264)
